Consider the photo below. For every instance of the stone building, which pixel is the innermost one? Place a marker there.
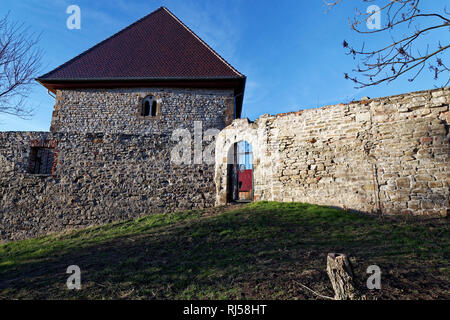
(107, 156)
(151, 77)
(119, 109)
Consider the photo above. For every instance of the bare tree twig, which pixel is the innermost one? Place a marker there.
(317, 294)
(404, 55)
(19, 64)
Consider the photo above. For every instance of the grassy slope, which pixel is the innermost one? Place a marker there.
(258, 251)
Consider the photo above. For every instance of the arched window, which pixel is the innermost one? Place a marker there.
(149, 107)
(153, 108)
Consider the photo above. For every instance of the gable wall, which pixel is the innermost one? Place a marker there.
(118, 110)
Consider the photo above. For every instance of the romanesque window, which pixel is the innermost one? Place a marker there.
(149, 107)
(41, 160)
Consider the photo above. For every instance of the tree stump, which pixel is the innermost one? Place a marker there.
(341, 275)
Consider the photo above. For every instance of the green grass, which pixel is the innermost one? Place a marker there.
(257, 251)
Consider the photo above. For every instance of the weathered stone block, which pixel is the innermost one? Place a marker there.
(403, 183)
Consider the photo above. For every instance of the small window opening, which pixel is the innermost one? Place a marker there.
(146, 109)
(149, 107)
(153, 108)
(41, 160)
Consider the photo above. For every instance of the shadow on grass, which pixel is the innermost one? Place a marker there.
(260, 251)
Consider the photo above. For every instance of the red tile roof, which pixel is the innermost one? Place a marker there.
(158, 46)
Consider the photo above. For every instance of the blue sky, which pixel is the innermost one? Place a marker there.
(290, 50)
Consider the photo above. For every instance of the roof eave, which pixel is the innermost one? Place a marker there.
(236, 83)
(62, 80)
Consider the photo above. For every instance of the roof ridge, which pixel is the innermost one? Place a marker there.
(101, 42)
(202, 41)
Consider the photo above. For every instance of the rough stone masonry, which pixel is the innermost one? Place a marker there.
(111, 164)
(388, 155)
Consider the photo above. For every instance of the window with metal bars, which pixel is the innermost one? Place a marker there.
(41, 160)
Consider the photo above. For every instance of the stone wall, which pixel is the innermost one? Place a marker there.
(389, 155)
(119, 110)
(97, 178)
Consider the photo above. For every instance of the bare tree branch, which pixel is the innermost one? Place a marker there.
(19, 64)
(402, 54)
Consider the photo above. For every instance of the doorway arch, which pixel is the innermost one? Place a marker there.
(240, 179)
